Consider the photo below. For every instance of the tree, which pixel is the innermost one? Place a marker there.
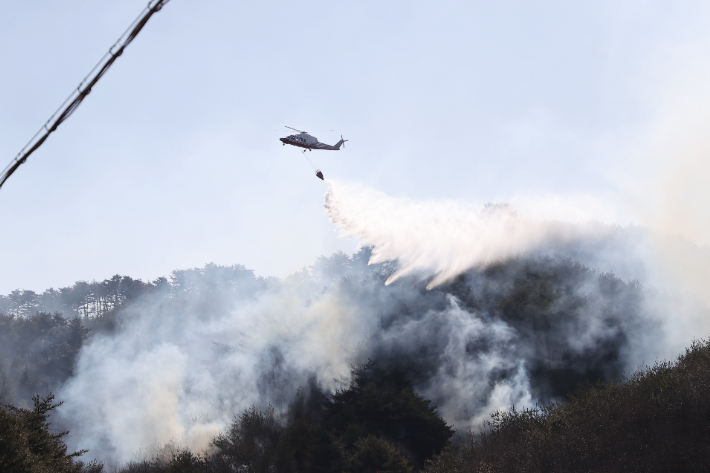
(384, 404)
(27, 445)
(376, 454)
(250, 442)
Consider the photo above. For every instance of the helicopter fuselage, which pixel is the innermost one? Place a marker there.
(304, 140)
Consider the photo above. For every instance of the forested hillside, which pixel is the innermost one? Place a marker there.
(28, 445)
(654, 421)
(258, 373)
(41, 334)
(83, 299)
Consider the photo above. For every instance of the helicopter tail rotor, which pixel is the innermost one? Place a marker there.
(340, 143)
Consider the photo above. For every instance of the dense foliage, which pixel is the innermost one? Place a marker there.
(557, 321)
(40, 350)
(377, 423)
(384, 404)
(552, 304)
(28, 446)
(655, 421)
(83, 299)
(546, 301)
(96, 299)
(42, 334)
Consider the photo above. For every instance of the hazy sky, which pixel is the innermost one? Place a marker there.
(568, 109)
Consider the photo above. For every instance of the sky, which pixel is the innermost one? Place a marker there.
(568, 110)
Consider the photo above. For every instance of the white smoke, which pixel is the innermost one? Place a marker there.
(175, 373)
(183, 363)
(461, 383)
(162, 377)
(441, 239)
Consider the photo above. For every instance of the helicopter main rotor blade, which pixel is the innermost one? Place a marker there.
(295, 129)
(319, 131)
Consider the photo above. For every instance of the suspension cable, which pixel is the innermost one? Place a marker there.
(79, 94)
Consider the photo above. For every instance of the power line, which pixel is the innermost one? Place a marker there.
(79, 94)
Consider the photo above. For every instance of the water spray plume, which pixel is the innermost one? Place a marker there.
(439, 239)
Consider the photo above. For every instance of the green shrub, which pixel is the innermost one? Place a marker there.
(656, 420)
(28, 446)
(376, 454)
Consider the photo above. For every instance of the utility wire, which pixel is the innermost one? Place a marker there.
(79, 94)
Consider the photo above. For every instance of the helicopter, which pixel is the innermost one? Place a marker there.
(304, 140)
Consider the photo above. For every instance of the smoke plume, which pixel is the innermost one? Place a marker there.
(481, 308)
